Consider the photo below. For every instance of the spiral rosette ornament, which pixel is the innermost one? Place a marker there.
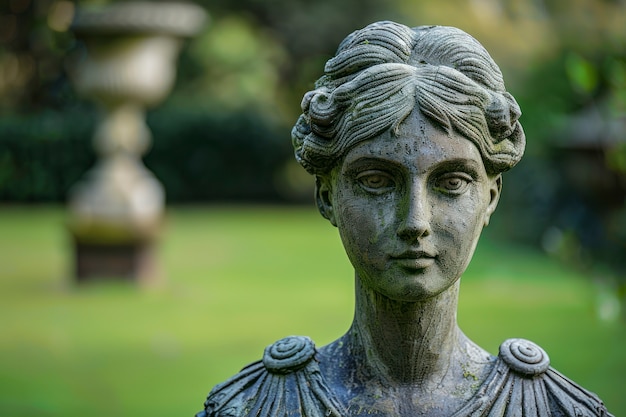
(524, 357)
(289, 354)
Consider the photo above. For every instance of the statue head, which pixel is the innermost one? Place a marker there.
(381, 73)
(407, 134)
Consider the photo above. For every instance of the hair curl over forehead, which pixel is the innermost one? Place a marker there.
(382, 72)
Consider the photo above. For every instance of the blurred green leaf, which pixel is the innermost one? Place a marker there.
(581, 73)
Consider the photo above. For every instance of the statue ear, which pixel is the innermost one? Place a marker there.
(323, 198)
(494, 191)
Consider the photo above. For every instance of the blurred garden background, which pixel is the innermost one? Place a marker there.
(244, 257)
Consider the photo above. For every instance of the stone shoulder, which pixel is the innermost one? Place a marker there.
(524, 357)
(286, 382)
(523, 378)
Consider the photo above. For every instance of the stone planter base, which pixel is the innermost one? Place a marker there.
(124, 262)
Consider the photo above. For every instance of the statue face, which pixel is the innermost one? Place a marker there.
(410, 208)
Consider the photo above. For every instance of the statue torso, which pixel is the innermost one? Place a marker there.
(294, 380)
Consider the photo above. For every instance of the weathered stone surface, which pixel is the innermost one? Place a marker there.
(408, 134)
(520, 383)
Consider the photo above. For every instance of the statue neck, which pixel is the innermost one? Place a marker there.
(406, 342)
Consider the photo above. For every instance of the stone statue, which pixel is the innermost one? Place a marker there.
(407, 135)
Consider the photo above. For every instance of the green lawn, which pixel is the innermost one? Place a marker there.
(235, 280)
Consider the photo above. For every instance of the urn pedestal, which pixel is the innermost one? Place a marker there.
(116, 211)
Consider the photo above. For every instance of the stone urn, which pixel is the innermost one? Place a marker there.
(129, 64)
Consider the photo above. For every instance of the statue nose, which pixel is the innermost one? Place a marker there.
(414, 215)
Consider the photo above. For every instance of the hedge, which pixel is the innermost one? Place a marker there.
(197, 155)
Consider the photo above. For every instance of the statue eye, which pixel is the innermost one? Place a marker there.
(375, 181)
(454, 183)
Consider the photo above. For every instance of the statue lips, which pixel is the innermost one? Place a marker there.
(414, 259)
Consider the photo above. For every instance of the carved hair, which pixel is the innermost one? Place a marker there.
(382, 72)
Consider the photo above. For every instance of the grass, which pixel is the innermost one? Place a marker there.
(236, 279)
